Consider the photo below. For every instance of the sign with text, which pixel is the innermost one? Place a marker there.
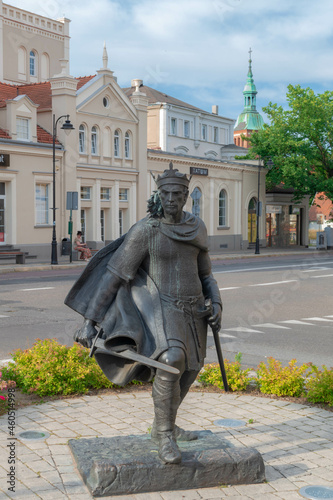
(198, 171)
(4, 160)
(273, 209)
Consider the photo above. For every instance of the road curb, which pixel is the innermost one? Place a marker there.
(214, 257)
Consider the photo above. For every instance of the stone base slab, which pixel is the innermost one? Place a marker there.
(130, 464)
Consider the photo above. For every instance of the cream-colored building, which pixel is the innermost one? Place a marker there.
(31, 46)
(220, 193)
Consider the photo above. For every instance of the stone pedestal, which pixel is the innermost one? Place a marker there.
(130, 464)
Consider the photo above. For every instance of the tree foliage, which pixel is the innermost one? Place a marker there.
(299, 141)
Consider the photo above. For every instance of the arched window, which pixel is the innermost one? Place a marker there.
(196, 196)
(223, 208)
(82, 139)
(116, 144)
(127, 145)
(33, 63)
(22, 61)
(94, 144)
(106, 142)
(45, 67)
(252, 220)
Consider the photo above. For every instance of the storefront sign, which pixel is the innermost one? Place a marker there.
(198, 171)
(273, 209)
(4, 160)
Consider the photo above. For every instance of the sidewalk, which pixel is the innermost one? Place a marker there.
(63, 262)
(295, 440)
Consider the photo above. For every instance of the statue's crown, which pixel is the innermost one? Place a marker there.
(172, 176)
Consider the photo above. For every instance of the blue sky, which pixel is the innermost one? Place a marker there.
(197, 50)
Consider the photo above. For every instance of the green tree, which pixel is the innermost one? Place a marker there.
(299, 141)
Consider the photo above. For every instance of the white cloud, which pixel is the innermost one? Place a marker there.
(198, 48)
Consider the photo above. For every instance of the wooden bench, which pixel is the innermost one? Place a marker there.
(19, 256)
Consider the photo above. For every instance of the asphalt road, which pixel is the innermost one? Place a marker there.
(280, 307)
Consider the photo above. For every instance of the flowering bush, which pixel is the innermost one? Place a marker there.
(4, 385)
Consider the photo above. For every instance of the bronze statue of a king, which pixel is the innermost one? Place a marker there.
(151, 294)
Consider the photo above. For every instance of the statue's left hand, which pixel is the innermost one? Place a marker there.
(215, 319)
(86, 333)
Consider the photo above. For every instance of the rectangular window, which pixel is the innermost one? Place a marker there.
(102, 225)
(204, 132)
(121, 223)
(85, 193)
(42, 203)
(173, 126)
(186, 129)
(216, 135)
(22, 129)
(105, 194)
(123, 194)
(83, 224)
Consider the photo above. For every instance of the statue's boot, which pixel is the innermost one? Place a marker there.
(166, 397)
(180, 434)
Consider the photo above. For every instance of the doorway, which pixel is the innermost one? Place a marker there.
(252, 220)
(2, 213)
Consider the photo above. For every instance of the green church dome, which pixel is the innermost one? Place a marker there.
(249, 119)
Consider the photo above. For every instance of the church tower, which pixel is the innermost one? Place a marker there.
(249, 120)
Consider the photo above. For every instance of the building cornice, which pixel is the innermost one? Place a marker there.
(120, 170)
(197, 161)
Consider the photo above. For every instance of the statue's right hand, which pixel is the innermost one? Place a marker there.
(86, 333)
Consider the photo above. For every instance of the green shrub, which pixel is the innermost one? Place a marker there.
(237, 378)
(320, 386)
(49, 368)
(282, 381)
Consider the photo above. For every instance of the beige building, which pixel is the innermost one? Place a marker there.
(104, 159)
(220, 193)
(31, 46)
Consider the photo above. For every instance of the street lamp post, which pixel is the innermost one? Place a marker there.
(258, 211)
(67, 126)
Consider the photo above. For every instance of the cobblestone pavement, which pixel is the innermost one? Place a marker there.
(296, 442)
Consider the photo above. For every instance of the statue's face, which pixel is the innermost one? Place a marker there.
(173, 198)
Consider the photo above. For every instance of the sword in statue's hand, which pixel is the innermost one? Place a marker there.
(129, 353)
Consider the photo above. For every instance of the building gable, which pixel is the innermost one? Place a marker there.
(105, 99)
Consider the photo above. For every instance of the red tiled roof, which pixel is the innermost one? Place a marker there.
(4, 134)
(44, 136)
(39, 93)
(6, 92)
(321, 205)
(82, 80)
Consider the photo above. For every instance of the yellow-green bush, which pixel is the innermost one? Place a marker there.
(50, 368)
(282, 381)
(238, 379)
(320, 386)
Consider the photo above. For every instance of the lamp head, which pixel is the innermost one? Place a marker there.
(67, 126)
